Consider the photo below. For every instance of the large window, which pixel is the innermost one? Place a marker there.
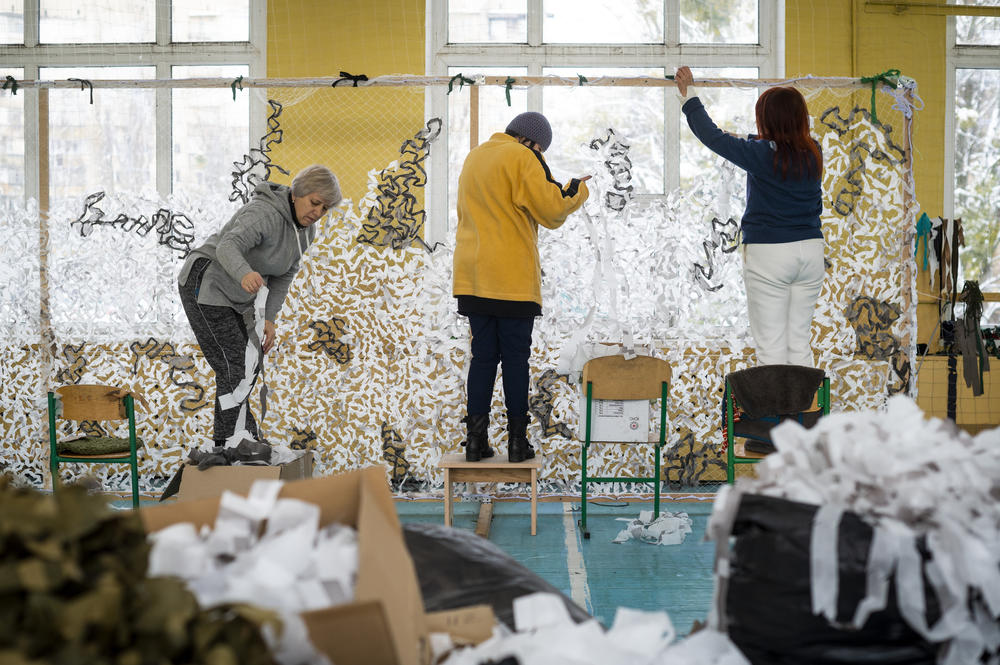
(586, 41)
(122, 152)
(130, 139)
(975, 59)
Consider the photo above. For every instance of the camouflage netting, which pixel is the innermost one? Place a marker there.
(75, 591)
(371, 360)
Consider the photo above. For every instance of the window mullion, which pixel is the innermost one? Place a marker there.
(535, 92)
(437, 226)
(436, 26)
(671, 140)
(534, 22)
(771, 37)
(672, 23)
(436, 106)
(32, 132)
(164, 133)
(952, 62)
(31, 14)
(163, 22)
(163, 140)
(257, 108)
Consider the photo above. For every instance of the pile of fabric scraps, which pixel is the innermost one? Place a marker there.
(76, 590)
(930, 491)
(667, 529)
(547, 636)
(293, 565)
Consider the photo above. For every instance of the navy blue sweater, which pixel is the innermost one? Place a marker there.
(778, 209)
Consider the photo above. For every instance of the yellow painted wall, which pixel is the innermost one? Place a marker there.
(843, 38)
(323, 38)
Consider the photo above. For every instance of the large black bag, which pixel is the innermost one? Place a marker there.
(768, 602)
(458, 568)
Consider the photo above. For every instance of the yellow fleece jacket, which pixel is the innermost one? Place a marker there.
(505, 191)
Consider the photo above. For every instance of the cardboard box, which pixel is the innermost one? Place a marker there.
(615, 419)
(385, 625)
(203, 484)
(466, 626)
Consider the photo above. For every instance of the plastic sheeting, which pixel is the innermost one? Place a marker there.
(931, 552)
(768, 602)
(458, 568)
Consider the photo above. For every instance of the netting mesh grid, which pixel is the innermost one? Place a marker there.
(371, 361)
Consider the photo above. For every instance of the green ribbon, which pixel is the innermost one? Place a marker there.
(582, 79)
(88, 84)
(11, 83)
(889, 77)
(669, 77)
(237, 82)
(462, 80)
(509, 83)
(924, 227)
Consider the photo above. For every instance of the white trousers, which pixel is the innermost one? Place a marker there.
(783, 281)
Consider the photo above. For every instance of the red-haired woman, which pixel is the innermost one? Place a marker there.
(782, 240)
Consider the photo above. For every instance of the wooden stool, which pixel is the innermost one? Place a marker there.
(493, 470)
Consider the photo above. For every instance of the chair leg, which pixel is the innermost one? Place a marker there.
(583, 493)
(135, 482)
(656, 485)
(53, 449)
(54, 467)
(730, 437)
(730, 463)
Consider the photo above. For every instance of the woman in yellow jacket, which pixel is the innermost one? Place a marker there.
(505, 191)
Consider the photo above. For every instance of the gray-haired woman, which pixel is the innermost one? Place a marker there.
(260, 246)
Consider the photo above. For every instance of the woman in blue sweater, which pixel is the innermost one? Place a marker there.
(782, 241)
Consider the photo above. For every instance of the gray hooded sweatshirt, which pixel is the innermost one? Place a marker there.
(262, 236)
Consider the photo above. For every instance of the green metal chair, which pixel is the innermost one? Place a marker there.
(757, 429)
(618, 378)
(93, 403)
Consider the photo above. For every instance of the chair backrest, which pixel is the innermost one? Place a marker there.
(616, 377)
(92, 402)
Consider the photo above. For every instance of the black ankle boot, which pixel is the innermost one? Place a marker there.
(518, 448)
(477, 443)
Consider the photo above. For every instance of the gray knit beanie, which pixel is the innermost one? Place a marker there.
(534, 127)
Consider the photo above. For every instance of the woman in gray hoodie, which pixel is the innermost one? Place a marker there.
(260, 246)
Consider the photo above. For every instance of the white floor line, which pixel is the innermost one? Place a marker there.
(579, 588)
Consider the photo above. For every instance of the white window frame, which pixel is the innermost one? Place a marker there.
(32, 56)
(768, 57)
(959, 57)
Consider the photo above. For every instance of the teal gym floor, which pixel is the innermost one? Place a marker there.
(596, 573)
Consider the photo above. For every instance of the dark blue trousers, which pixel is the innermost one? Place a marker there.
(507, 342)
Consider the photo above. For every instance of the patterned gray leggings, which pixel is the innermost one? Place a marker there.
(222, 335)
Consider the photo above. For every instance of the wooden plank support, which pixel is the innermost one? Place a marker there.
(485, 519)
